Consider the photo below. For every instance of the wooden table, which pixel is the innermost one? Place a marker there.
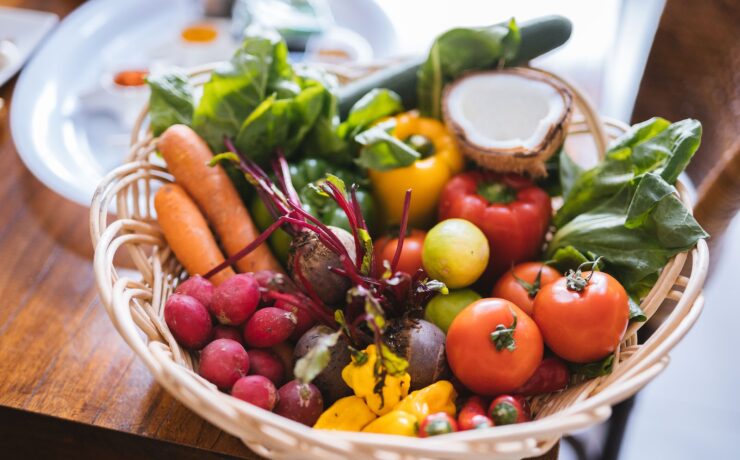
(69, 385)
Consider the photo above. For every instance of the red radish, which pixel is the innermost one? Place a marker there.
(199, 288)
(223, 362)
(284, 352)
(188, 321)
(305, 320)
(257, 390)
(228, 332)
(301, 402)
(266, 363)
(473, 415)
(235, 299)
(269, 326)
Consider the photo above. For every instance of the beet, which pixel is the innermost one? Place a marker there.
(329, 381)
(314, 261)
(422, 344)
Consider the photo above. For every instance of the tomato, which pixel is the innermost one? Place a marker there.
(507, 409)
(551, 375)
(531, 277)
(493, 347)
(410, 259)
(582, 316)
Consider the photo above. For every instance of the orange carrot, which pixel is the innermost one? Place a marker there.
(187, 156)
(187, 233)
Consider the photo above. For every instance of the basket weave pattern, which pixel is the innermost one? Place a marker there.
(135, 303)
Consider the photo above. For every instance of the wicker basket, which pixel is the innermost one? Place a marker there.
(135, 304)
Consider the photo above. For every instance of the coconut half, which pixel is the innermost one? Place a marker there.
(509, 120)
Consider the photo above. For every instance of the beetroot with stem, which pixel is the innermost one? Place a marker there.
(363, 300)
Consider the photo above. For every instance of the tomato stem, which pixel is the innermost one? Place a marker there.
(576, 281)
(503, 337)
(533, 288)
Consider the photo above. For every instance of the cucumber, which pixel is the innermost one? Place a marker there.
(538, 36)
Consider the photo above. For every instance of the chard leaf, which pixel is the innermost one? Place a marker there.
(650, 191)
(593, 370)
(460, 50)
(312, 363)
(367, 244)
(170, 101)
(381, 151)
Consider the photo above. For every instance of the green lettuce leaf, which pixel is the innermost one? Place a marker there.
(382, 151)
(170, 101)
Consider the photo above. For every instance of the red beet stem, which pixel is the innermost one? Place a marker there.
(402, 232)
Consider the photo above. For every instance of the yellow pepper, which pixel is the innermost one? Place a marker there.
(427, 176)
(437, 397)
(395, 422)
(361, 378)
(347, 414)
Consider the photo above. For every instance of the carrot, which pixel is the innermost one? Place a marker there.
(187, 233)
(187, 156)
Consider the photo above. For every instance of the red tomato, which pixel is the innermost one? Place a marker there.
(410, 260)
(583, 325)
(485, 354)
(522, 291)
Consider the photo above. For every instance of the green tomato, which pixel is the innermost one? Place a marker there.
(442, 309)
(455, 252)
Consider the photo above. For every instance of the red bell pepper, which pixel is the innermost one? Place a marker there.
(512, 212)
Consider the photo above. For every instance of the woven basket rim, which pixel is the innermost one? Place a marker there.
(135, 310)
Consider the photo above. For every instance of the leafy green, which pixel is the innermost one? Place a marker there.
(376, 104)
(566, 258)
(382, 151)
(170, 101)
(594, 369)
(460, 50)
(636, 313)
(625, 209)
(312, 363)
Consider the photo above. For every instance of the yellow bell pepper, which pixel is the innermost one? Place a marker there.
(437, 397)
(395, 422)
(346, 414)
(361, 378)
(427, 176)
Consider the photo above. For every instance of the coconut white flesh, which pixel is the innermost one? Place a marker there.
(504, 111)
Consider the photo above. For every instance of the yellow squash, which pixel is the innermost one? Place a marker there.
(395, 422)
(360, 376)
(347, 414)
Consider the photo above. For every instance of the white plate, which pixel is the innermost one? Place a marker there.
(61, 118)
(23, 30)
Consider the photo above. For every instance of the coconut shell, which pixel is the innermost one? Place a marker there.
(517, 160)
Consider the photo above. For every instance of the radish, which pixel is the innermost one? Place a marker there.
(199, 288)
(223, 362)
(269, 326)
(228, 332)
(235, 299)
(188, 320)
(266, 363)
(305, 320)
(301, 402)
(257, 390)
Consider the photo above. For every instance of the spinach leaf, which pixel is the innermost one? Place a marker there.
(170, 101)
(459, 50)
(594, 369)
(382, 151)
(566, 258)
(655, 146)
(636, 313)
(374, 105)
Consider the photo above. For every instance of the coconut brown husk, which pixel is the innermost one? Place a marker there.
(517, 160)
